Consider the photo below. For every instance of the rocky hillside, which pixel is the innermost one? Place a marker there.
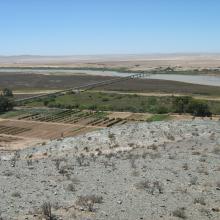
(163, 170)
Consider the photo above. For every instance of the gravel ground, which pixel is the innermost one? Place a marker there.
(161, 170)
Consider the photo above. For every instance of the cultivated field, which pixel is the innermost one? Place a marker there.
(27, 127)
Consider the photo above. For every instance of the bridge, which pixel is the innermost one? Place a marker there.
(85, 87)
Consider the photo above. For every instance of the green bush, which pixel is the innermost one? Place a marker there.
(7, 92)
(152, 101)
(6, 104)
(186, 104)
(105, 99)
(92, 107)
(46, 102)
(181, 104)
(162, 109)
(199, 108)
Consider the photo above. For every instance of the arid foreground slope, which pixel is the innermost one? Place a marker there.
(163, 170)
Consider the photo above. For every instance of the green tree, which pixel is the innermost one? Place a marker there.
(186, 104)
(6, 104)
(199, 108)
(180, 104)
(7, 92)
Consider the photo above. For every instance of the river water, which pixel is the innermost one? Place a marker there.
(194, 79)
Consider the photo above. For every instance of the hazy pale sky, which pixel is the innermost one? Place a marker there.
(68, 27)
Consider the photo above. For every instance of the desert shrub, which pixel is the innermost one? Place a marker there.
(143, 185)
(16, 194)
(71, 187)
(180, 213)
(218, 185)
(111, 136)
(200, 201)
(150, 187)
(216, 150)
(46, 211)
(193, 180)
(88, 202)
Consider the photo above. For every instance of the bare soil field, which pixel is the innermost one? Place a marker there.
(163, 170)
(40, 130)
(13, 143)
(21, 134)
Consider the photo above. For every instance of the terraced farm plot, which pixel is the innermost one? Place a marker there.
(32, 126)
(40, 125)
(21, 134)
(75, 117)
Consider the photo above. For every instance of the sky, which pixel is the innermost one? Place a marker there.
(77, 27)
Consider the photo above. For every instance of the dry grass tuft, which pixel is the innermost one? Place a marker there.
(87, 202)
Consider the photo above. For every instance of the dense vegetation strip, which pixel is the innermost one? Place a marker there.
(132, 103)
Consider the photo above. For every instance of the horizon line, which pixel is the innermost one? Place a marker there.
(111, 54)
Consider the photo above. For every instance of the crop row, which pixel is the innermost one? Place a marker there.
(10, 130)
(86, 118)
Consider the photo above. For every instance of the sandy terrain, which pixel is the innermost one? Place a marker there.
(135, 62)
